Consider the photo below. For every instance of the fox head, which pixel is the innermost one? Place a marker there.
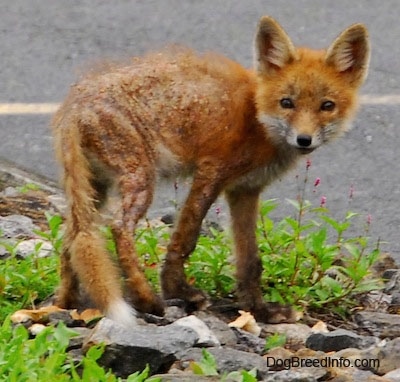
(306, 97)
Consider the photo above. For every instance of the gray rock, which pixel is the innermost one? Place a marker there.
(338, 340)
(173, 313)
(393, 375)
(392, 277)
(311, 374)
(221, 329)
(355, 375)
(383, 325)
(10, 191)
(386, 357)
(376, 301)
(16, 227)
(296, 334)
(206, 338)
(128, 351)
(38, 247)
(229, 360)
(249, 342)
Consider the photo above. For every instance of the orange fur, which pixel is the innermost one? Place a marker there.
(174, 113)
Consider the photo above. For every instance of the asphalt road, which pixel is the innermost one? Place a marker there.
(46, 44)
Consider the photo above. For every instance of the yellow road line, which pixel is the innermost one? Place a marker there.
(387, 99)
(27, 108)
(50, 108)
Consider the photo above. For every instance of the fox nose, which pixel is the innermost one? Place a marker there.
(304, 140)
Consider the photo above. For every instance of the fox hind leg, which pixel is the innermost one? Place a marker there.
(136, 189)
(67, 295)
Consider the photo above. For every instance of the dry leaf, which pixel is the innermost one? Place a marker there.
(36, 315)
(90, 315)
(320, 327)
(247, 322)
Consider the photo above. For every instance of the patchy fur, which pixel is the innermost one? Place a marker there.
(177, 112)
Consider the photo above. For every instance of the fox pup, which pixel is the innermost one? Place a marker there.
(179, 113)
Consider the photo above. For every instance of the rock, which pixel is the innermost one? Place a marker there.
(128, 351)
(383, 325)
(173, 313)
(393, 375)
(221, 330)
(10, 192)
(311, 374)
(17, 227)
(246, 341)
(58, 202)
(206, 337)
(35, 329)
(392, 277)
(76, 343)
(277, 358)
(337, 340)
(4, 253)
(354, 375)
(64, 316)
(384, 262)
(351, 354)
(296, 334)
(384, 358)
(229, 360)
(376, 301)
(39, 247)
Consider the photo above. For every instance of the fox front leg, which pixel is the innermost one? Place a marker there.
(243, 206)
(203, 193)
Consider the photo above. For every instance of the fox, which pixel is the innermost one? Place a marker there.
(176, 112)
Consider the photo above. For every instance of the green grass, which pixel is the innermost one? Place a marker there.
(45, 358)
(310, 260)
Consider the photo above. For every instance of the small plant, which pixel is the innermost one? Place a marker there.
(40, 359)
(207, 366)
(55, 234)
(274, 340)
(45, 358)
(28, 187)
(210, 268)
(25, 281)
(309, 261)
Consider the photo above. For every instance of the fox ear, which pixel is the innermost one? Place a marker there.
(350, 53)
(273, 47)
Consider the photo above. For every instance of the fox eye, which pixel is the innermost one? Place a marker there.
(287, 103)
(327, 106)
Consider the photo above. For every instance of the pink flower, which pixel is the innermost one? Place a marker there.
(218, 210)
(323, 201)
(369, 219)
(308, 163)
(317, 182)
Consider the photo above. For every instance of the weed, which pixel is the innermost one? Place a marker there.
(45, 358)
(275, 340)
(308, 260)
(24, 281)
(28, 187)
(207, 366)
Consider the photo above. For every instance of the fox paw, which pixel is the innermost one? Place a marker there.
(153, 305)
(274, 313)
(193, 299)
